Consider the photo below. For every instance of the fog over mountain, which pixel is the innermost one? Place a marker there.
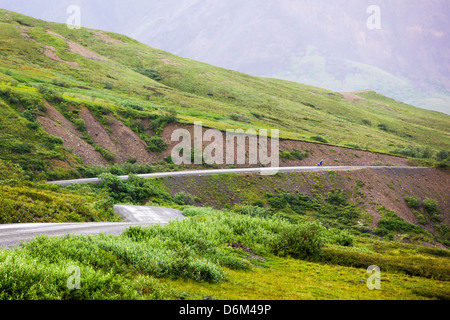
(326, 43)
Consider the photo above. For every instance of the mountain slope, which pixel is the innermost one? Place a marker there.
(323, 43)
(117, 78)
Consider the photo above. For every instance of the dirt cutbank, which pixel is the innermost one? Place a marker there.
(331, 155)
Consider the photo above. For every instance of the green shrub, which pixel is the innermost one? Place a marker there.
(134, 189)
(162, 121)
(22, 148)
(258, 203)
(80, 124)
(300, 241)
(420, 217)
(157, 144)
(149, 72)
(445, 164)
(337, 197)
(30, 115)
(185, 198)
(106, 154)
(431, 206)
(414, 152)
(292, 155)
(286, 155)
(277, 202)
(109, 85)
(390, 222)
(60, 83)
(319, 139)
(443, 155)
(298, 202)
(412, 202)
(340, 237)
(255, 211)
(299, 155)
(11, 173)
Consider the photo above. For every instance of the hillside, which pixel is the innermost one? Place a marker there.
(325, 44)
(66, 82)
(90, 103)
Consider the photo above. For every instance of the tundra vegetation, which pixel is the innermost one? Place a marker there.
(243, 242)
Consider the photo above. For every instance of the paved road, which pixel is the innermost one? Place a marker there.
(12, 235)
(266, 170)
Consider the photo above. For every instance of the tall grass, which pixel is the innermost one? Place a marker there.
(202, 248)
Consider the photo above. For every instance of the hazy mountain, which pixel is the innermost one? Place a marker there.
(323, 43)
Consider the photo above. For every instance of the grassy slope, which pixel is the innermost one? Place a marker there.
(192, 259)
(198, 91)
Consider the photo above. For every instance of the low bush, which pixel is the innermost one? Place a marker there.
(319, 139)
(149, 72)
(300, 241)
(337, 197)
(133, 190)
(412, 202)
(80, 124)
(340, 237)
(390, 223)
(293, 155)
(185, 198)
(431, 206)
(157, 144)
(414, 152)
(443, 155)
(255, 211)
(22, 148)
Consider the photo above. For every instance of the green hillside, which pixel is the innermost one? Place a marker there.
(90, 103)
(111, 73)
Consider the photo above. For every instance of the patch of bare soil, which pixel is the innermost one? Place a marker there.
(49, 51)
(106, 38)
(55, 115)
(72, 142)
(351, 97)
(331, 155)
(79, 49)
(121, 141)
(130, 143)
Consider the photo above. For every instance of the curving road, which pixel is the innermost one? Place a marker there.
(13, 234)
(266, 171)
